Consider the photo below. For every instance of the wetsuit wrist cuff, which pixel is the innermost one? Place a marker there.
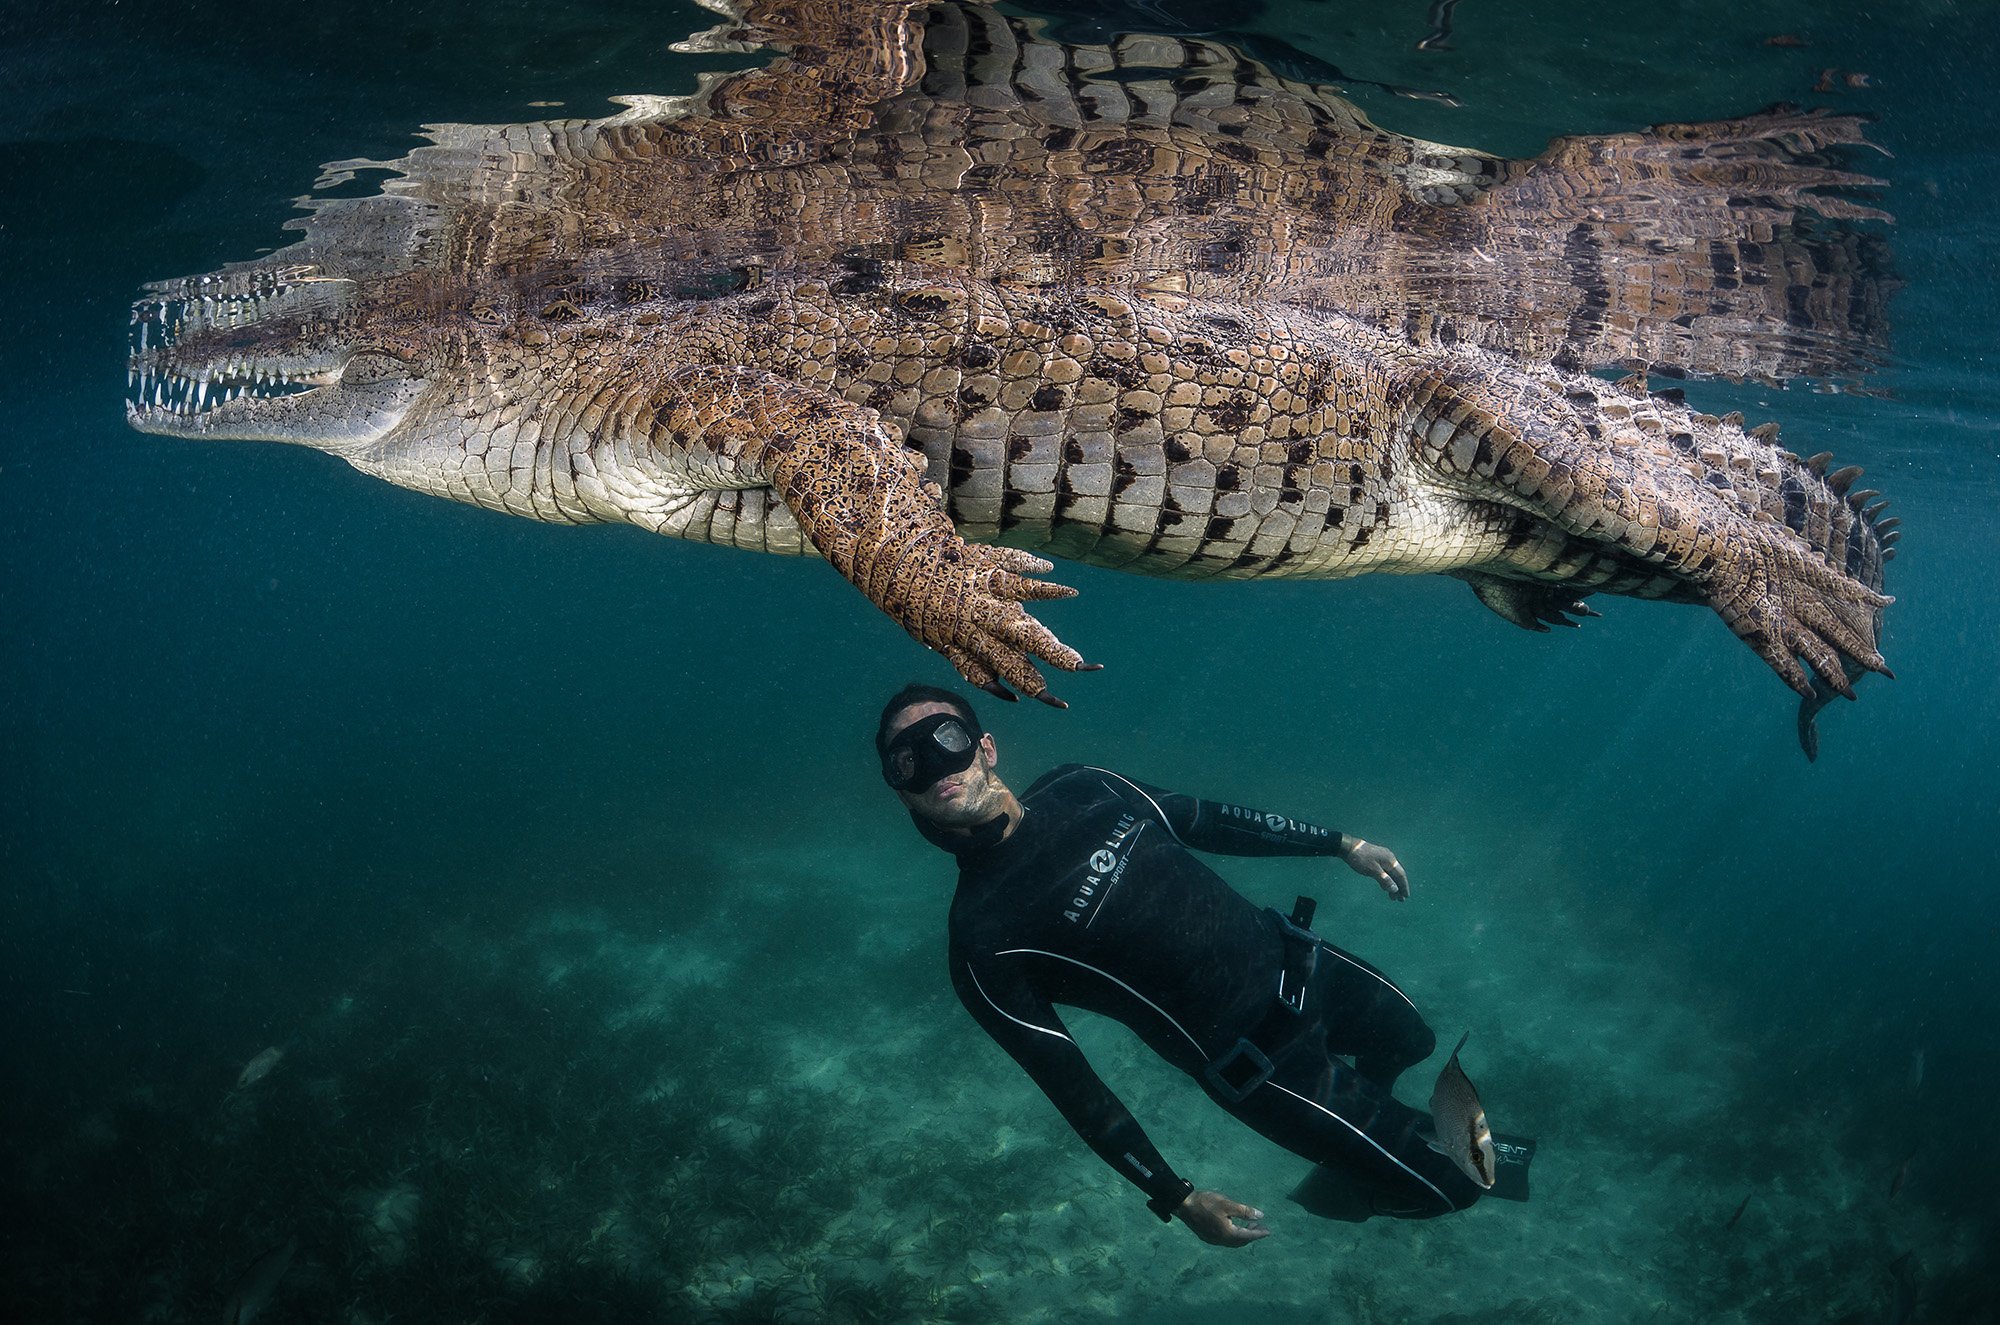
(1164, 1205)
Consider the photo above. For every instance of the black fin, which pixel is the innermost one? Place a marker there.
(1332, 1192)
(1822, 695)
(1511, 1157)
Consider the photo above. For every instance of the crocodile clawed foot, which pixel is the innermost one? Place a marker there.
(965, 600)
(1797, 612)
(1563, 614)
(863, 500)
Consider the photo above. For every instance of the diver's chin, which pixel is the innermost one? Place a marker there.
(953, 808)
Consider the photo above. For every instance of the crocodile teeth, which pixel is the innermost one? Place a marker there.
(195, 392)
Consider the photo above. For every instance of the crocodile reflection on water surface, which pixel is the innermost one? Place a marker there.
(929, 294)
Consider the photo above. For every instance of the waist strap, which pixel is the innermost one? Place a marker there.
(1301, 955)
(1246, 1065)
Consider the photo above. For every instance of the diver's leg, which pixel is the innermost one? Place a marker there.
(1317, 1107)
(1368, 1017)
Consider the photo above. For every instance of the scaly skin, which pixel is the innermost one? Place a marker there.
(897, 371)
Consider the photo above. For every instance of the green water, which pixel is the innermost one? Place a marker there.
(612, 983)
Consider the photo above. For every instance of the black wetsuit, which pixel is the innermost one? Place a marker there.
(1095, 901)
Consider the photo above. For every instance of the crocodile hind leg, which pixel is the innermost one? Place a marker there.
(1527, 604)
(1767, 540)
(861, 498)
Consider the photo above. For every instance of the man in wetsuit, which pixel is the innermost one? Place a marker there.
(1084, 891)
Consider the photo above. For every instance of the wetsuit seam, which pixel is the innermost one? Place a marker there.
(1164, 1015)
(1005, 1013)
(1329, 948)
(1448, 1204)
(1158, 810)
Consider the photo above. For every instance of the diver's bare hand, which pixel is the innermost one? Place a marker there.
(1212, 1217)
(1380, 864)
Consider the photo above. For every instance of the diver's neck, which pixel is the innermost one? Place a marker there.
(982, 836)
(996, 827)
(1010, 809)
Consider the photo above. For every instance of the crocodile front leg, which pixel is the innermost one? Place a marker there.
(861, 498)
(1763, 537)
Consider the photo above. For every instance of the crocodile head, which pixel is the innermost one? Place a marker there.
(274, 352)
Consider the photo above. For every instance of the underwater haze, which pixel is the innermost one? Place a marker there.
(607, 983)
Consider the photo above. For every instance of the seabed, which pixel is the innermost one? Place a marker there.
(770, 1108)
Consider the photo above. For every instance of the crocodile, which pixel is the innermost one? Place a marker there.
(929, 295)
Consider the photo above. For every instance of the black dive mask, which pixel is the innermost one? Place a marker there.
(926, 750)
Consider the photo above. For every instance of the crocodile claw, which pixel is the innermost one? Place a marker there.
(866, 505)
(1529, 605)
(965, 600)
(1800, 613)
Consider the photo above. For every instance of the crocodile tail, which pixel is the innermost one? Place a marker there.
(1845, 524)
(1825, 505)
(1732, 249)
(1789, 551)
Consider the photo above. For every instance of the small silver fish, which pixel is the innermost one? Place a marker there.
(1462, 1134)
(254, 1290)
(1916, 1071)
(259, 1067)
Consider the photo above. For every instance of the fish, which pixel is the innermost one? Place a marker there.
(1419, 94)
(259, 1067)
(1916, 1071)
(1902, 1176)
(1740, 1208)
(1462, 1134)
(256, 1286)
(1835, 80)
(1440, 21)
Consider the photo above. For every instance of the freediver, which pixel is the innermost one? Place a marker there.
(1084, 891)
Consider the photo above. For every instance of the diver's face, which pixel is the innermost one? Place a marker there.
(964, 799)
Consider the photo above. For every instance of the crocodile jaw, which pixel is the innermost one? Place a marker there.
(261, 354)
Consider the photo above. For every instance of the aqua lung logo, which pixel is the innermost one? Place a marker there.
(1270, 824)
(1104, 868)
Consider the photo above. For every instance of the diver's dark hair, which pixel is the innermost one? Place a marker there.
(919, 693)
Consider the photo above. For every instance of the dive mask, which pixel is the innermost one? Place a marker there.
(926, 750)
